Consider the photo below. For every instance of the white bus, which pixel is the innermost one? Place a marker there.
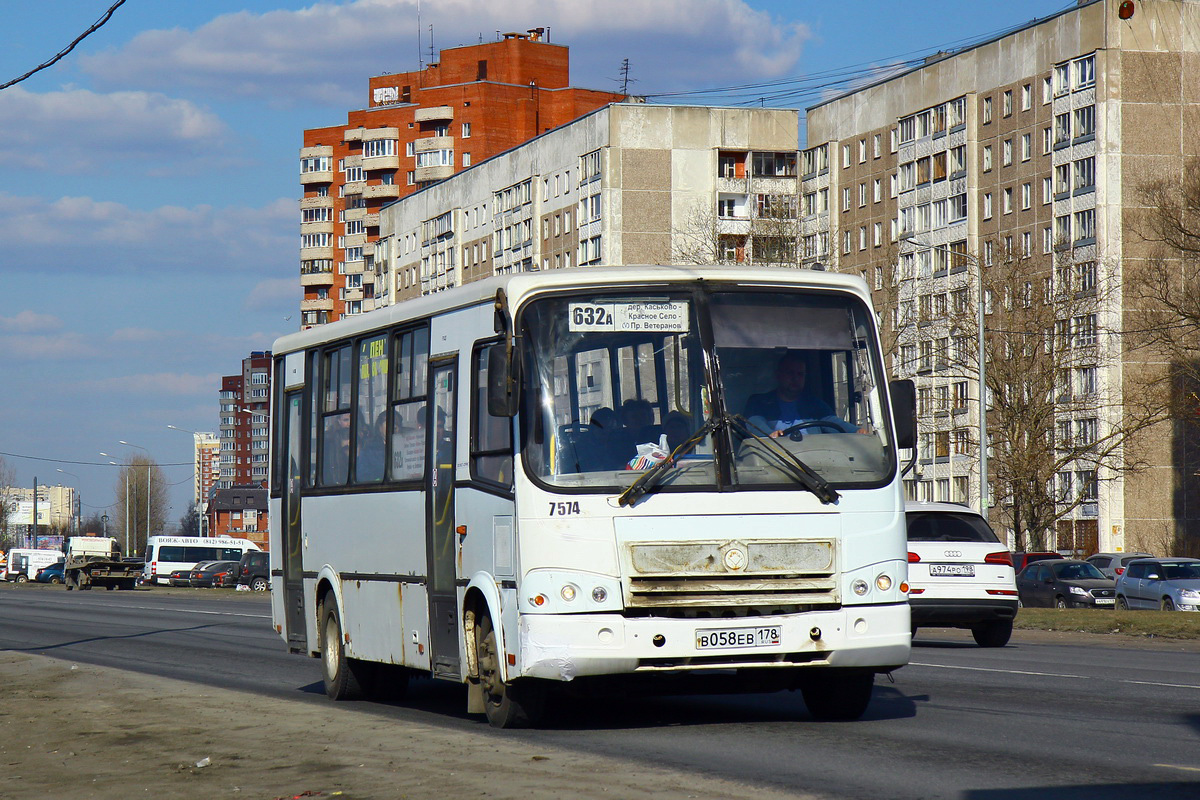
(475, 486)
(165, 554)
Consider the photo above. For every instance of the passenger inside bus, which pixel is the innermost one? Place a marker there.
(372, 447)
(789, 405)
(335, 456)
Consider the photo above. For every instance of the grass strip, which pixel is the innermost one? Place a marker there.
(1165, 624)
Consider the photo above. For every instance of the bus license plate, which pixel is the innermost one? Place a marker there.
(721, 638)
(958, 570)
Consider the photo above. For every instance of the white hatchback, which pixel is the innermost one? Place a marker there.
(959, 574)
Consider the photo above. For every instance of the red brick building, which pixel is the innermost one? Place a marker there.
(245, 423)
(420, 127)
(240, 512)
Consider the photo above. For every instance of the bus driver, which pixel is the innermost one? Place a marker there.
(788, 405)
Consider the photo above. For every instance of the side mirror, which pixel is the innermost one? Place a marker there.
(501, 382)
(904, 409)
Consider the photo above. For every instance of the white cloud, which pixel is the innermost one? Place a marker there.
(30, 322)
(76, 131)
(268, 295)
(95, 236)
(59, 346)
(159, 383)
(325, 52)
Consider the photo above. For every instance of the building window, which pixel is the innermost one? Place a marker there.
(987, 205)
(1008, 102)
(1085, 72)
(466, 159)
(845, 156)
(987, 158)
(466, 130)
(1085, 174)
(1026, 196)
(1006, 152)
(1085, 121)
(1026, 146)
(987, 110)
(1008, 201)
(1026, 97)
(373, 148)
(1085, 225)
(1047, 90)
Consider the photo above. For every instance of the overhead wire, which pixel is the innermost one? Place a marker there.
(62, 53)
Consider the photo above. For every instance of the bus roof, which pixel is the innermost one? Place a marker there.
(518, 287)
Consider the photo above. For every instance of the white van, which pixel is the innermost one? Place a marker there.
(165, 554)
(23, 563)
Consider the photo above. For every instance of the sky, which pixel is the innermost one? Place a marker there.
(149, 180)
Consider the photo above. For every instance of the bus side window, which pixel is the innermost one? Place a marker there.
(491, 437)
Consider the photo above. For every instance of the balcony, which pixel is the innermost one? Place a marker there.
(381, 162)
(316, 278)
(317, 304)
(355, 240)
(316, 227)
(355, 213)
(316, 202)
(433, 143)
(433, 114)
(424, 174)
(324, 176)
(371, 220)
(383, 189)
(354, 188)
(313, 253)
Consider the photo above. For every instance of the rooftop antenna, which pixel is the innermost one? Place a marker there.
(420, 59)
(625, 76)
(432, 58)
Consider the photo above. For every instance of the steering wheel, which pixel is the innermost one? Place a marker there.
(795, 435)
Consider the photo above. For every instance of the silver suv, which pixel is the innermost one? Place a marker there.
(1169, 584)
(959, 574)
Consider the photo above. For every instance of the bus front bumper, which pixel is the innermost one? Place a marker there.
(565, 646)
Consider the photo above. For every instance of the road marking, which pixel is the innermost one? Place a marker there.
(1176, 766)
(195, 611)
(1055, 675)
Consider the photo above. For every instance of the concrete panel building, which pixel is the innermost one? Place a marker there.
(1033, 145)
(245, 401)
(627, 184)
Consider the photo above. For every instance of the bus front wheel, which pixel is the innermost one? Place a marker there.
(834, 695)
(507, 705)
(343, 676)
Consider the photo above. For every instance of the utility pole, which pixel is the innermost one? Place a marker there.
(35, 534)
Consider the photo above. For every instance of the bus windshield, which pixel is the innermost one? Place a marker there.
(733, 387)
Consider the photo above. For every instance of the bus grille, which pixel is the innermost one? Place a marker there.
(730, 574)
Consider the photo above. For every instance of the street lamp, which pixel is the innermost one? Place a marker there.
(139, 447)
(983, 465)
(115, 464)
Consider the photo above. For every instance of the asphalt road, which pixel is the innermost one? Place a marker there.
(1040, 718)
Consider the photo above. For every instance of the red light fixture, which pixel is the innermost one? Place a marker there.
(1004, 558)
(913, 558)
(1126, 9)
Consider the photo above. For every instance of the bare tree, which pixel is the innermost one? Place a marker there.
(698, 238)
(8, 503)
(141, 503)
(766, 234)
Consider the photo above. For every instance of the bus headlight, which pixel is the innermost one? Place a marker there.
(883, 583)
(552, 591)
(859, 587)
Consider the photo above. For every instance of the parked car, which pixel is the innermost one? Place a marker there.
(255, 571)
(52, 573)
(182, 577)
(959, 574)
(1021, 559)
(207, 575)
(1172, 584)
(1113, 564)
(1065, 583)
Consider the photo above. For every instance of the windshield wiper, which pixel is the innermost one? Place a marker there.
(650, 477)
(805, 475)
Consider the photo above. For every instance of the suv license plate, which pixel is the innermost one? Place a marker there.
(720, 638)
(955, 570)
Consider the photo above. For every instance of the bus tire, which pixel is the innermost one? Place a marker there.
(343, 676)
(518, 704)
(834, 695)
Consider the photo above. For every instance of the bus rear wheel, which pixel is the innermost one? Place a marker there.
(343, 676)
(508, 705)
(834, 695)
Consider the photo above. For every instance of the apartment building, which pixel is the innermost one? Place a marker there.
(1031, 146)
(419, 128)
(627, 184)
(245, 423)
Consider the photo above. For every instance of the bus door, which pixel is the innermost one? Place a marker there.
(440, 534)
(293, 540)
